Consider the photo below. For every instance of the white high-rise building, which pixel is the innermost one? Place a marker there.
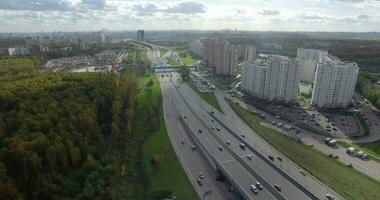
(334, 83)
(274, 78)
(310, 58)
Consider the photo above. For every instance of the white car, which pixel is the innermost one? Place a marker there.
(253, 188)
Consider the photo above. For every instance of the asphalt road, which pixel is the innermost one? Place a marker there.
(233, 168)
(193, 162)
(180, 100)
(369, 167)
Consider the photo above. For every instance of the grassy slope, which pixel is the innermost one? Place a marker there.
(170, 174)
(348, 182)
(208, 97)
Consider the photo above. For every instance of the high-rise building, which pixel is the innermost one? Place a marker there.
(209, 51)
(249, 53)
(334, 83)
(274, 78)
(221, 55)
(196, 47)
(140, 35)
(101, 38)
(310, 58)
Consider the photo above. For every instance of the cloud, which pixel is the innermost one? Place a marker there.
(35, 5)
(186, 8)
(145, 9)
(311, 17)
(363, 17)
(94, 4)
(267, 12)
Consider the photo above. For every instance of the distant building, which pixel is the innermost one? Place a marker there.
(274, 78)
(310, 58)
(101, 38)
(334, 83)
(140, 35)
(221, 55)
(248, 53)
(19, 51)
(196, 47)
(209, 51)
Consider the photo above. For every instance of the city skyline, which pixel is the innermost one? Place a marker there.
(274, 15)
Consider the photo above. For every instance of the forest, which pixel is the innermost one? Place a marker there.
(55, 130)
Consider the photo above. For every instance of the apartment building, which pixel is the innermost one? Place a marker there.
(310, 59)
(334, 83)
(273, 77)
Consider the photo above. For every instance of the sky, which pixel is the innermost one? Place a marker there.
(257, 15)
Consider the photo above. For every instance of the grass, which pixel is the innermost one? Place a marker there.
(172, 61)
(163, 51)
(348, 182)
(310, 129)
(209, 97)
(169, 174)
(363, 127)
(188, 60)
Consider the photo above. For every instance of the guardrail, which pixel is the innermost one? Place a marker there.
(211, 158)
(294, 182)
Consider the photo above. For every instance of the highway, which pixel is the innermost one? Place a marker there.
(193, 162)
(241, 167)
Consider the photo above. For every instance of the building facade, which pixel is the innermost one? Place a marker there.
(140, 35)
(221, 55)
(334, 84)
(196, 48)
(274, 78)
(310, 59)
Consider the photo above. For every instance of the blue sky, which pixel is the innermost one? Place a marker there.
(275, 15)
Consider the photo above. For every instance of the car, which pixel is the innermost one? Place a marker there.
(277, 117)
(243, 136)
(220, 148)
(329, 196)
(213, 128)
(212, 121)
(277, 187)
(228, 142)
(253, 189)
(242, 146)
(185, 117)
(183, 141)
(217, 128)
(199, 181)
(349, 164)
(303, 172)
(200, 131)
(200, 175)
(258, 185)
(193, 148)
(249, 157)
(270, 158)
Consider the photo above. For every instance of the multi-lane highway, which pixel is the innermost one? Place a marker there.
(218, 147)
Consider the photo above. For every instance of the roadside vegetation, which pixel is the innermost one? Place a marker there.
(209, 97)
(85, 135)
(366, 85)
(166, 173)
(163, 51)
(348, 182)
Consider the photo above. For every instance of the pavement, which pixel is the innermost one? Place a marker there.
(369, 167)
(179, 100)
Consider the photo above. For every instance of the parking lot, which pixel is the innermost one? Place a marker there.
(331, 124)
